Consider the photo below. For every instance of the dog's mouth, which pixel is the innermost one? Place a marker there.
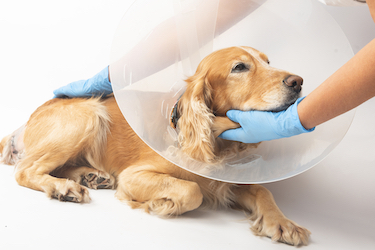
(287, 102)
(284, 106)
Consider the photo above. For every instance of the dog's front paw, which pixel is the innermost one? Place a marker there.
(281, 230)
(70, 191)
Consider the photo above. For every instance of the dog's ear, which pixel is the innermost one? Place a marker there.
(196, 119)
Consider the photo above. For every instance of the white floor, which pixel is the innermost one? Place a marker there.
(45, 45)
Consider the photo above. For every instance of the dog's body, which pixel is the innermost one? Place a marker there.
(68, 143)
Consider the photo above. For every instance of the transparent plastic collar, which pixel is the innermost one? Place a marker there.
(158, 44)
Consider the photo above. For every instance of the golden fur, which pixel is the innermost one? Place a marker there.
(72, 143)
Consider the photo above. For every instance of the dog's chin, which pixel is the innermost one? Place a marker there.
(284, 106)
(281, 108)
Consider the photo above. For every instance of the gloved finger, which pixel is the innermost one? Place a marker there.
(237, 134)
(60, 92)
(74, 89)
(59, 96)
(64, 91)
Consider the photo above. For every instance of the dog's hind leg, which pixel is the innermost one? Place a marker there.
(268, 219)
(145, 187)
(86, 176)
(59, 132)
(34, 174)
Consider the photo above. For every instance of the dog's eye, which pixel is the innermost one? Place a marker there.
(240, 67)
(268, 61)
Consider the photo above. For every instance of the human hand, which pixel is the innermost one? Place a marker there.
(98, 85)
(257, 126)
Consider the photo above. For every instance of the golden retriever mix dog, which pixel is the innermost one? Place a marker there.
(71, 143)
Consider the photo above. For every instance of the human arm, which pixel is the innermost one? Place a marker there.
(348, 87)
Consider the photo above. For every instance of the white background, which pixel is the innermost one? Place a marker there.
(47, 44)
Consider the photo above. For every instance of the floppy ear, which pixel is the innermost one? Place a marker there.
(196, 119)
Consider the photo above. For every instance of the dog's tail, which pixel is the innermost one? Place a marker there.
(6, 150)
(11, 147)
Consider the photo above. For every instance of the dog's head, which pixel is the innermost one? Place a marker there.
(232, 78)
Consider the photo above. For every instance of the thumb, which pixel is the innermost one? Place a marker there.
(237, 134)
(235, 115)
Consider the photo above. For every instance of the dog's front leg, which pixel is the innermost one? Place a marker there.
(268, 219)
(144, 186)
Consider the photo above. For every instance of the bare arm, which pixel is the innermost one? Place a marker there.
(348, 87)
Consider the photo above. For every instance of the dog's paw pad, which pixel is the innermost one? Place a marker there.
(90, 176)
(69, 198)
(98, 180)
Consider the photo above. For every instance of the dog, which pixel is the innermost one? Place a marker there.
(70, 144)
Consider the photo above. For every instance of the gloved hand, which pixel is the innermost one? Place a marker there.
(257, 126)
(98, 85)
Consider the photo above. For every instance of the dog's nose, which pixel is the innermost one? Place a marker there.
(294, 82)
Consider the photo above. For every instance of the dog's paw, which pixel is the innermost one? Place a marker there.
(71, 191)
(164, 206)
(281, 230)
(161, 207)
(98, 180)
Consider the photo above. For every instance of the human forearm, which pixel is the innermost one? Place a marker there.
(348, 87)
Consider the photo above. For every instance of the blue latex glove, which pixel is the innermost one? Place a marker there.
(257, 126)
(98, 85)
